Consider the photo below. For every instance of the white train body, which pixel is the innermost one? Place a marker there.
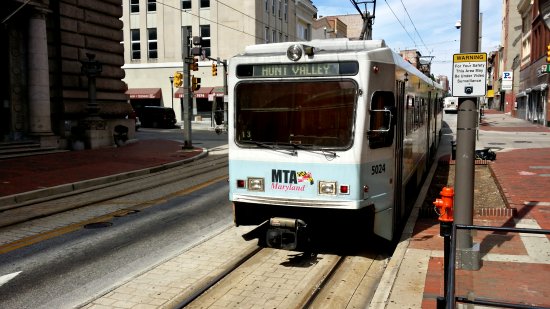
(344, 128)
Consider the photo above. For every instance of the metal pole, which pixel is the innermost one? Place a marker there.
(187, 100)
(465, 142)
(225, 92)
(172, 89)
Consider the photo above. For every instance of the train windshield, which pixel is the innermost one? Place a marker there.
(308, 114)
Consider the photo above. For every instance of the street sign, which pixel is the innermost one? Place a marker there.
(507, 80)
(469, 75)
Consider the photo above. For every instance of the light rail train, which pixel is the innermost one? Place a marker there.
(327, 134)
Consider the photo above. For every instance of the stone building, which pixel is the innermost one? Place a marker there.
(153, 40)
(45, 95)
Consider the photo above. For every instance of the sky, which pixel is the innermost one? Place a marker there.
(425, 25)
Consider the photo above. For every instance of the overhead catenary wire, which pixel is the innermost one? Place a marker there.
(414, 26)
(402, 26)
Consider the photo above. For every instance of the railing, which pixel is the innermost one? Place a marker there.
(450, 298)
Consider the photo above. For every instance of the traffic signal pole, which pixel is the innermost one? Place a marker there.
(187, 98)
(469, 253)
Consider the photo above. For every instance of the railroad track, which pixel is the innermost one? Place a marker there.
(284, 279)
(108, 191)
(71, 211)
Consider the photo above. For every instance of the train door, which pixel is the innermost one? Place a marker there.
(398, 205)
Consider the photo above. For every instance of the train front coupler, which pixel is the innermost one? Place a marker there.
(287, 233)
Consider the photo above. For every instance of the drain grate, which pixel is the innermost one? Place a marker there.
(98, 225)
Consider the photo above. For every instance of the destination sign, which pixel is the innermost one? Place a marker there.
(317, 69)
(295, 69)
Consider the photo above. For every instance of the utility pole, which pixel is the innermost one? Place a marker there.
(187, 99)
(465, 145)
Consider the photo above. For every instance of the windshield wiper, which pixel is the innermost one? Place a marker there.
(274, 147)
(315, 149)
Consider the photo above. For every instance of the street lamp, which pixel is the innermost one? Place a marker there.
(172, 89)
(91, 68)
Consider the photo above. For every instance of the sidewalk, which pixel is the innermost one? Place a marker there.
(515, 267)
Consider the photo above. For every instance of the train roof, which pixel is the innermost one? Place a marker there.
(378, 50)
(330, 45)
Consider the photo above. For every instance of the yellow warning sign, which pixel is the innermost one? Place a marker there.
(477, 57)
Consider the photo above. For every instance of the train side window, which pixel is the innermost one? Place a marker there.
(382, 119)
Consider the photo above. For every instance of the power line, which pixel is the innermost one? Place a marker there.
(406, 11)
(402, 26)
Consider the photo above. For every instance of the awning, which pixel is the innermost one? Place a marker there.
(144, 93)
(179, 93)
(203, 92)
(216, 92)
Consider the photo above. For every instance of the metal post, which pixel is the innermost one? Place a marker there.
(445, 230)
(187, 100)
(225, 93)
(172, 90)
(465, 143)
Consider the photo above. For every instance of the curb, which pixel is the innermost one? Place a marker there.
(42, 195)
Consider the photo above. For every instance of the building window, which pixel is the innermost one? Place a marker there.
(286, 10)
(134, 6)
(205, 3)
(280, 37)
(266, 6)
(152, 43)
(273, 7)
(185, 4)
(136, 46)
(205, 36)
(280, 10)
(266, 34)
(273, 36)
(151, 5)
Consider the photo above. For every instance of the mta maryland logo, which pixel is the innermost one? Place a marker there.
(304, 176)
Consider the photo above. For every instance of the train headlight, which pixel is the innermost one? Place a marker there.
(327, 187)
(255, 184)
(294, 52)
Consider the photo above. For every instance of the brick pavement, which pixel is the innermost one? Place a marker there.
(44, 171)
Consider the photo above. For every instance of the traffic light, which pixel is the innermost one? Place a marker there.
(548, 53)
(194, 66)
(178, 79)
(195, 83)
(214, 69)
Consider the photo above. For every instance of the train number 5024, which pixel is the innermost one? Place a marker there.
(378, 169)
